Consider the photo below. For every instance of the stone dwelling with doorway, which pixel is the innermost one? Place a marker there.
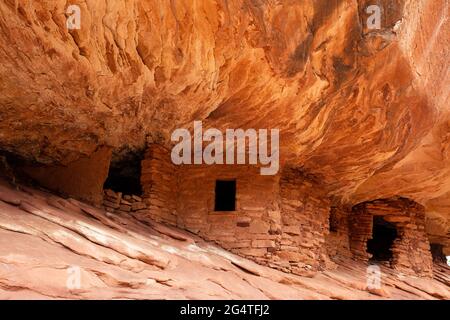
(285, 221)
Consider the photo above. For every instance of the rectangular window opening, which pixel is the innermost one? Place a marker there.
(333, 220)
(225, 195)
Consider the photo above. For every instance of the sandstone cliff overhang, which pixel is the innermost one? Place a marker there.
(366, 112)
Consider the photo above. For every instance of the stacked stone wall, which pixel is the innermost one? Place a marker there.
(411, 249)
(280, 220)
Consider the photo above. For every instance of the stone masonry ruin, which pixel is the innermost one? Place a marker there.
(283, 221)
(398, 223)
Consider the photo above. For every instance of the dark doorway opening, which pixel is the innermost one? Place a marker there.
(437, 251)
(383, 235)
(125, 174)
(225, 199)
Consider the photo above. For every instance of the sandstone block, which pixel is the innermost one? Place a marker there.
(293, 230)
(259, 227)
(138, 206)
(110, 193)
(263, 244)
(111, 204)
(243, 224)
(125, 208)
(256, 252)
(290, 255)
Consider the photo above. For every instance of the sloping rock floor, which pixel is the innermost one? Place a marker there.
(44, 238)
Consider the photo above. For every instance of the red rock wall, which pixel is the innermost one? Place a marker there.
(411, 249)
(338, 240)
(304, 218)
(159, 186)
(82, 179)
(361, 224)
(252, 230)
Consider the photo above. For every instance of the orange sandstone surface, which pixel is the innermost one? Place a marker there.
(363, 115)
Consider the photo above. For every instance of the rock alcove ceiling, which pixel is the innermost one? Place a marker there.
(364, 111)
